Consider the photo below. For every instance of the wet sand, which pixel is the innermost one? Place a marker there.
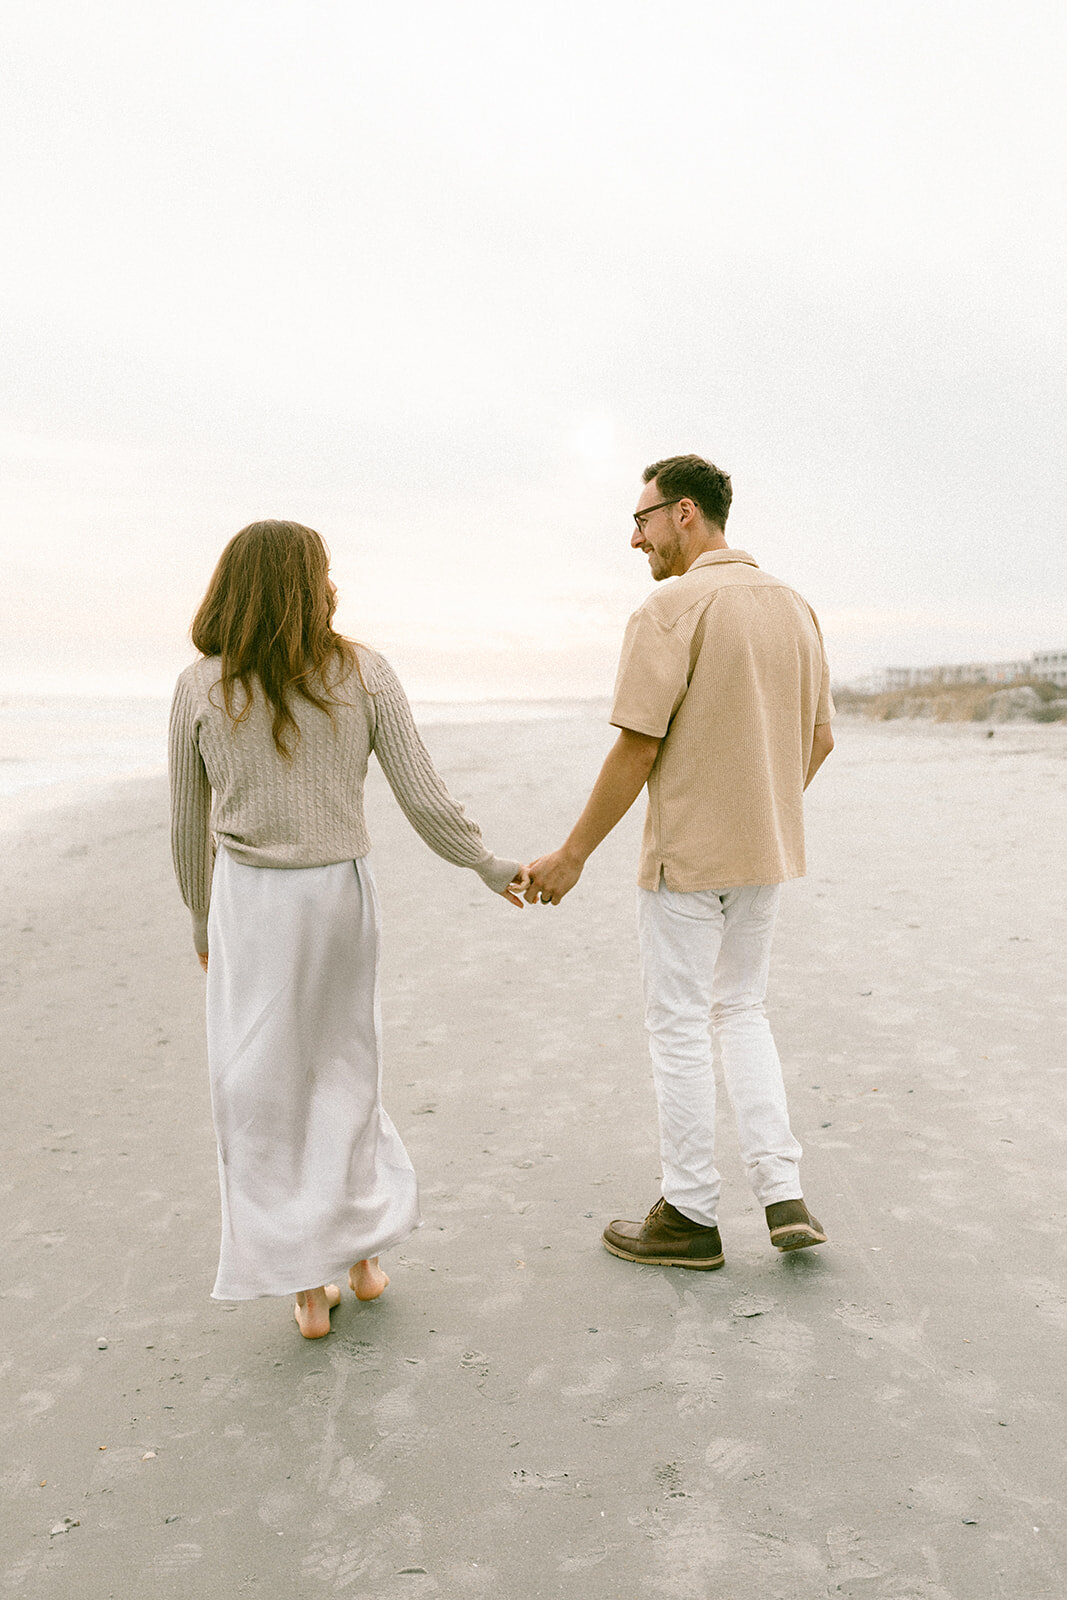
(523, 1415)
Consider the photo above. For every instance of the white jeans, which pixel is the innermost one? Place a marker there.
(704, 961)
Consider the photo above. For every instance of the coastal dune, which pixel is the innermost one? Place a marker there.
(522, 1415)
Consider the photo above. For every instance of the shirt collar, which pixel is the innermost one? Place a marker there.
(711, 557)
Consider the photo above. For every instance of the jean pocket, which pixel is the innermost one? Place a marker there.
(765, 901)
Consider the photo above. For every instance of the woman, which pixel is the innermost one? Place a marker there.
(270, 735)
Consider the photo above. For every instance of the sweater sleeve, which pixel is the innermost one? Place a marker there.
(190, 812)
(420, 792)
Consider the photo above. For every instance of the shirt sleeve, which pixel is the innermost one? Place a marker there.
(420, 791)
(190, 812)
(653, 676)
(825, 709)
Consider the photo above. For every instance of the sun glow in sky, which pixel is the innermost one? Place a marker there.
(440, 281)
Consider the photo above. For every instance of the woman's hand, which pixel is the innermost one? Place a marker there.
(515, 889)
(201, 956)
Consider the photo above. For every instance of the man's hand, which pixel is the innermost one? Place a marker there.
(553, 876)
(201, 956)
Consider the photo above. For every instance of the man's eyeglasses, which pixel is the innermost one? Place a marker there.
(640, 517)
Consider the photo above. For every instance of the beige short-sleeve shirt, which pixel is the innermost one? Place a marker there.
(727, 666)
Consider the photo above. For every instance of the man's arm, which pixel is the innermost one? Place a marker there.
(622, 777)
(821, 746)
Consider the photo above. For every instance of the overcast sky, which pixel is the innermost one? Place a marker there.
(441, 280)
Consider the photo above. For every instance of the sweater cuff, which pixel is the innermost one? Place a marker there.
(200, 932)
(496, 873)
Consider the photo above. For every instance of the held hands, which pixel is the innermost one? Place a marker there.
(551, 877)
(515, 888)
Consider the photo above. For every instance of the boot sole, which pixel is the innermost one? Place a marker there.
(797, 1237)
(711, 1264)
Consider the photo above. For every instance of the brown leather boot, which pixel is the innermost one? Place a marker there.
(666, 1239)
(792, 1225)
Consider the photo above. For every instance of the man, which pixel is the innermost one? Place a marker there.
(723, 704)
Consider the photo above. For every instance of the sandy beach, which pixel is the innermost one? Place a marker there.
(522, 1415)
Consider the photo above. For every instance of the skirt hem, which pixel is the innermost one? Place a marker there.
(327, 1276)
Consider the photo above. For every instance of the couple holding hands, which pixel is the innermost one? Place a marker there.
(722, 705)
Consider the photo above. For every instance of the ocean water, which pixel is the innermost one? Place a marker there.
(55, 748)
(50, 741)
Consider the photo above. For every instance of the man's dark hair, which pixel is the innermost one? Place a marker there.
(693, 478)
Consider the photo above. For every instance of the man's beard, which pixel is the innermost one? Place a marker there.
(663, 561)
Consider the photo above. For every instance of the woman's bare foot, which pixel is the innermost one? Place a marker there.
(367, 1280)
(312, 1310)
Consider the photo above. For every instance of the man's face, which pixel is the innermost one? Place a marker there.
(656, 534)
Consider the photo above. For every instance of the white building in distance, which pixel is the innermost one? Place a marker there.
(1050, 665)
(1047, 665)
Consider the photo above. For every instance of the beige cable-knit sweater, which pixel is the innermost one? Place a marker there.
(231, 783)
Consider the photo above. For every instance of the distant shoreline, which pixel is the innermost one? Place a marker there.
(58, 750)
(65, 742)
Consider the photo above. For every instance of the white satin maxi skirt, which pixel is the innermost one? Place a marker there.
(312, 1173)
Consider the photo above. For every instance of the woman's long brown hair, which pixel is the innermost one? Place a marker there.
(267, 613)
